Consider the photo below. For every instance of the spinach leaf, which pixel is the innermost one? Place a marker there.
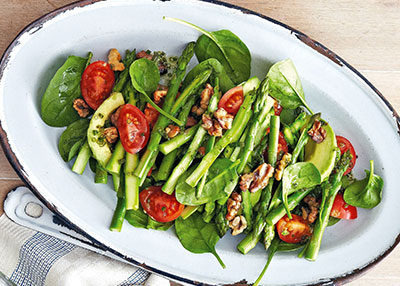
(285, 86)
(298, 176)
(153, 224)
(224, 46)
(220, 176)
(72, 139)
(366, 193)
(145, 77)
(138, 218)
(218, 71)
(198, 236)
(57, 101)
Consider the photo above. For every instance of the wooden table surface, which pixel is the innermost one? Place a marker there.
(366, 33)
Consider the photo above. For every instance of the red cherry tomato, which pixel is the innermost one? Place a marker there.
(345, 145)
(133, 128)
(232, 100)
(277, 108)
(293, 230)
(96, 83)
(159, 205)
(341, 209)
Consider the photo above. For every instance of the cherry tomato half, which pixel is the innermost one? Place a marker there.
(159, 205)
(96, 83)
(293, 230)
(232, 100)
(341, 209)
(133, 128)
(345, 145)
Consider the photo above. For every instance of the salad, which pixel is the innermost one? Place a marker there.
(208, 150)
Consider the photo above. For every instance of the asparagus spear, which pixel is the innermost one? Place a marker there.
(124, 75)
(187, 159)
(330, 188)
(250, 241)
(232, 135)
(162, 121)
(169, 159)
(82, 159)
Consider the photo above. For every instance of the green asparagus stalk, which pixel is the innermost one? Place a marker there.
(120, 209)
(162, 121)
(101, 175)
(187, 159)
(232, 135)
(330, 189)
(209, 146)
(220, 221)
(179, 140)
(82, 159)
(117, 159)
(169, 159)
(124, 75)
(290, 131)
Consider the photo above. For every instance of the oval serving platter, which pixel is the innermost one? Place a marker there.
(346, 99)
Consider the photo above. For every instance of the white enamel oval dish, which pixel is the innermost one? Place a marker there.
(350, 103)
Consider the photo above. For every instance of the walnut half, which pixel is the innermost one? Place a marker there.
(238, 224)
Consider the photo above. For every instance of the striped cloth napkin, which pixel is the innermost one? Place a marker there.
(32, 258)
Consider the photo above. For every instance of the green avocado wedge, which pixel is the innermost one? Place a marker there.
(97, 142)
(322, 155)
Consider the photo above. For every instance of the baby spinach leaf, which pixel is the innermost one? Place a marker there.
(224, 46)
(298, 176)
(366, 193)
(285, 86)
(220, 175)
(218, 71)
(72, 139)
(137, 218)
(57, 101)
(145, 77)
(198, 236)
(153, 224)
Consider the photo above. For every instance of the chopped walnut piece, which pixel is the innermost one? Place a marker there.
(261, 177)
(313, 206)
(172, 130)
(158, 95)
(286, 159)
(212, 126)
(198, 110)
(224, 118)
(206, 94)
(233, 206)
(207, 122)
(114, 59)
(144, 54)
(115, 116)
(191, 121)
(111, 134)
(81, 107)
(245, 181)
(317, 133)
(258, 179)
(238, 224)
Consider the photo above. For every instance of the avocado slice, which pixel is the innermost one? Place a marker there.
(97, 142)
(322, 155)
